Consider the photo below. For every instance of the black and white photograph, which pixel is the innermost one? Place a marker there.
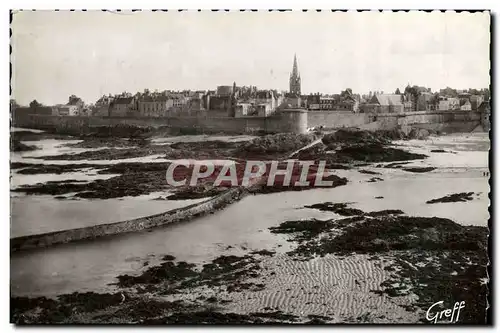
(250, 167)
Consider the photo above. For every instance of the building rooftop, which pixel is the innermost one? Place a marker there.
(388, 99)
(264, 94)
(155, 98)
(123, 100)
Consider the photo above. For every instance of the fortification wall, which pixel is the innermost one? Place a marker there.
(256, 124)
(336, 119)
(83, 124)
(447, 121)
(293, 120)
(387, 121)
(282, 122)
(162, 219)
(216, 113)
(449, 127)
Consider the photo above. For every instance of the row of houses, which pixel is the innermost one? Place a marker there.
(225, 101)
(144, 105)
(465, 102)
(397, 103)
(155, 105)
(335, 102)
(233, 101)
(265, 103)
(74, 107)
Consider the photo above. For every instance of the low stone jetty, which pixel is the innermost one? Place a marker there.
(89, 233)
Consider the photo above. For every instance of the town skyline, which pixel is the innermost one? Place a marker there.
(103, 53)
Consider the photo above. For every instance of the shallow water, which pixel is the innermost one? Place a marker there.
(85, 174)
(42, 213)
(67, 214)
(52, 147)
(19, 129)
(244, 225)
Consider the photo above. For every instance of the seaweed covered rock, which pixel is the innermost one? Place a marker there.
(212, 317)
(419, 169)
(418, 133)
(18, 146)
(347, 146)
(338, 208)
(120, 130)
(355, 136)
(274, 145)
(456, 197)
(43, 310)
(375, 153)
(170, 277)
(383, 231)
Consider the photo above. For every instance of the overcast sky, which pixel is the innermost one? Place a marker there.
(56, 54)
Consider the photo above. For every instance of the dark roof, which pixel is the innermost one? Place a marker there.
(387, 99)
(313, 98)
(347, 101)
(155, 99)
(264, 94)
(228, 97)
(123, 100)
(104, 99)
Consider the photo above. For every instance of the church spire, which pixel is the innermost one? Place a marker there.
(295, 77)
(295, 70)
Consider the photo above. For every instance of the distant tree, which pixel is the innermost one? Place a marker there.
(486, 94)
(346, 93)
(73, 98)
(434, 100)
(397, 92)
(473, 91)
(413, 92)
(370, 94)
(146, 91)
(13, 104)
(34, 104)
(449, 92)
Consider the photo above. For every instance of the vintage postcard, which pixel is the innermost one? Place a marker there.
(249, 167)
